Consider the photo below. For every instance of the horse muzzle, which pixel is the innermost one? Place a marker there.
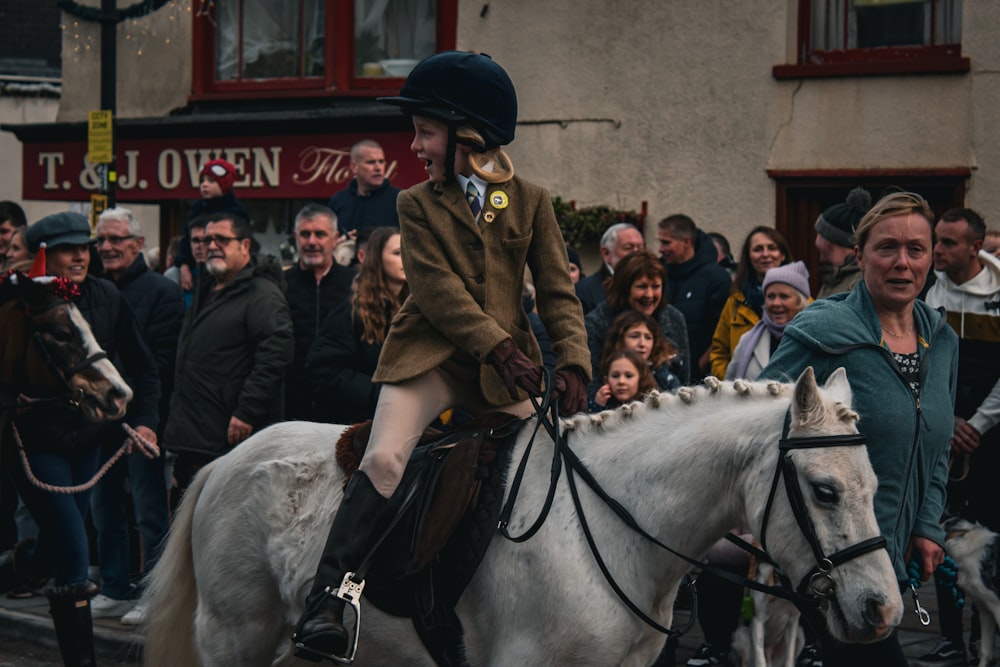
(878, 616)
(109, 404)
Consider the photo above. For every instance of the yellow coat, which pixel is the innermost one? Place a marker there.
(737, 318)
(465, 280)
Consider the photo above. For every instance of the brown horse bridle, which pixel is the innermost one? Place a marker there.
(72, 396)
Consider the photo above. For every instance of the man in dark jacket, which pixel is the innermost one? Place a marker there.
(369, 200)
(159, 309)
(696, 284)
(234, 350)
(315, 286)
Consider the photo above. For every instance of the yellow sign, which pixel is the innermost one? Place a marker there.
(99, 137)
(98, 204)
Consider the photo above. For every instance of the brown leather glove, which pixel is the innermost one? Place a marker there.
(571, 386)
(515, 369)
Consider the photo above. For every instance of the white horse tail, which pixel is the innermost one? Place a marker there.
(171, 593)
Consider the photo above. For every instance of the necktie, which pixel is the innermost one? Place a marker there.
(472, 194)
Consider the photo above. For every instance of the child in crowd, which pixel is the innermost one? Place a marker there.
(626, 377)
(217, 178)
(641, 333)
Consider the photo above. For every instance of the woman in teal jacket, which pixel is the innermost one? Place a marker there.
(901, 359)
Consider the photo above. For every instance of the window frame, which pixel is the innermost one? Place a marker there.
(930, 59)
(338, 80)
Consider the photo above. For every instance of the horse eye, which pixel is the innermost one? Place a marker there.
(62, 335)
(825, 493)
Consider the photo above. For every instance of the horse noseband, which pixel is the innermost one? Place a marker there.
(73, 396)
(817, 584)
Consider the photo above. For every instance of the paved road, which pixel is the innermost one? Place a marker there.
(28, 653)
(27, 640)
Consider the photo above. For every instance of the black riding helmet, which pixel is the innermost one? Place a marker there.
(462, 88)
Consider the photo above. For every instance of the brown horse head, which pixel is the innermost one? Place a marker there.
(47, 350)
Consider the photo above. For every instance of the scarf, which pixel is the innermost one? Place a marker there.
(749, 340)
(753, 294)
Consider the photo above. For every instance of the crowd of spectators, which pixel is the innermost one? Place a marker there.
(227, 341)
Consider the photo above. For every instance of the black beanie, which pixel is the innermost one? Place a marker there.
(837, 223)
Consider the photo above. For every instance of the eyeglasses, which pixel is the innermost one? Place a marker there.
(221, 241)
(113, 240)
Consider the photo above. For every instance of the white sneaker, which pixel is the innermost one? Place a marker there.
(102, 606)
(135, 617)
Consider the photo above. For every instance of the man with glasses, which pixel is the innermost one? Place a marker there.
(158, 309)
(235, 347)
(199, 248)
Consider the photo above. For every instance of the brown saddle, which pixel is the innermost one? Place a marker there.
(450, 491)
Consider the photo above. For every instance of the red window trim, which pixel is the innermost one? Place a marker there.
(935, 59)
(339, 79)
(894, 172)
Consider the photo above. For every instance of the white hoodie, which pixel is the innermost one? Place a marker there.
(974, 312)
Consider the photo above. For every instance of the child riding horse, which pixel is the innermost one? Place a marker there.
(467, 234)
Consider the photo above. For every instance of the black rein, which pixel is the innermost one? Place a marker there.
(814, 589)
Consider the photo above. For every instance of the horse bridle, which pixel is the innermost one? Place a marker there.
(73, 396)
(816, 587)
(817, 584)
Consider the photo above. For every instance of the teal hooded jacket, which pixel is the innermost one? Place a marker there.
(908, 438)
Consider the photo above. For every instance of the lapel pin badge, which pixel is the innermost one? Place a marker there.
(498, 199)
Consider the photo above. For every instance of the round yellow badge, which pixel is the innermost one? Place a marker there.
(499, 199)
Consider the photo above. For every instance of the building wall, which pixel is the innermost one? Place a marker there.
(154, 64)
(696, 118)
(21, 110)
(669, 102)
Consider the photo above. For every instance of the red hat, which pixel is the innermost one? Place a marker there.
(38, 266)
(222, 172)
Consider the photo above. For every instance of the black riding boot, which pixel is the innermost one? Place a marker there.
(320, 632)
(70, 610)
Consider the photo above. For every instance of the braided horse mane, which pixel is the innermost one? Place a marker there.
(707, 395)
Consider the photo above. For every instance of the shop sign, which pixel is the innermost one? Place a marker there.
(268, 167)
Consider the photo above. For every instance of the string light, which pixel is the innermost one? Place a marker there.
(138, 30)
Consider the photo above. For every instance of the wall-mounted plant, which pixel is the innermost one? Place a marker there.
(584, 225)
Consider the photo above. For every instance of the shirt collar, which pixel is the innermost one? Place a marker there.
(481, 185)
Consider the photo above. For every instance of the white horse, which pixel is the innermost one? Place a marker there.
(246, 539)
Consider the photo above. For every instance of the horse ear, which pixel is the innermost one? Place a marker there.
(837, 386)
(34, 294)
(806, 400)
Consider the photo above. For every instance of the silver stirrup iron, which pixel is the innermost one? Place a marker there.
(350, 592)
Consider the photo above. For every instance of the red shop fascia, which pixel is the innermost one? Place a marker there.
(279, 155)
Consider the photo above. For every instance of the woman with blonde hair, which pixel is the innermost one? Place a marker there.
(344, 355)
(901, 358)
